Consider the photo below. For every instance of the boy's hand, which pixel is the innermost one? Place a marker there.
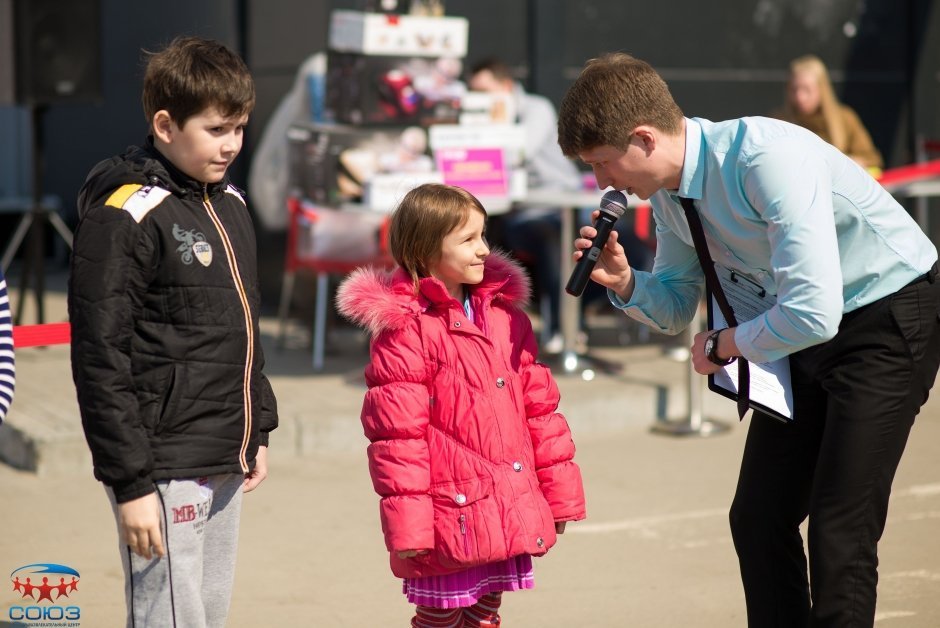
(139, 522)
(257, 475)
(560, 527)
(412, 553)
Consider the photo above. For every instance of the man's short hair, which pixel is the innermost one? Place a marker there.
(192, 74)
(613, 95)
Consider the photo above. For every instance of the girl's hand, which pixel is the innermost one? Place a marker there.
(560, 527)
(412, 553)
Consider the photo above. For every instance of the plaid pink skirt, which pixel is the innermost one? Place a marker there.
(465, 588)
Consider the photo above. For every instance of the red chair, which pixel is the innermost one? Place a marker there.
(328, 241)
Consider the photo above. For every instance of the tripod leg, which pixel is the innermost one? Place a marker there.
(33, 266)
(24, 282)
(21, 230)
(60, 227)
(37, 253)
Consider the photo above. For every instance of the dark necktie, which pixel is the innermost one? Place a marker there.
(715, 289)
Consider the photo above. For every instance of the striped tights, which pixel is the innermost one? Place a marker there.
(483, 614)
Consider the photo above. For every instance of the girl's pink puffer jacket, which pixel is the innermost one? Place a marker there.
(468, 452)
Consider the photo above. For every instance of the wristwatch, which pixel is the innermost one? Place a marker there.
(711, 349)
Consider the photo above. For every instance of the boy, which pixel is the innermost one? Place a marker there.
(857, 312)
(163, 302)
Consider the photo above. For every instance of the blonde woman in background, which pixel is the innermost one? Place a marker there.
(811, 103)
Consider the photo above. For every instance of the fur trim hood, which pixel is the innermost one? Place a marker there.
(385, 300)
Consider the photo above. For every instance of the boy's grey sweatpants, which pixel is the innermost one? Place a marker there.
(191, 586)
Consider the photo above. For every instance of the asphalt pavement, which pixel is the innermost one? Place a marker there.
(654, 552)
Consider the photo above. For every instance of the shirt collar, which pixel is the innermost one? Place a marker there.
(693, 168)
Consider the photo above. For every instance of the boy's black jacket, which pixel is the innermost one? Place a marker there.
(164, 304)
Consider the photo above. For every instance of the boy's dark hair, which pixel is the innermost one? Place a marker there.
(421, 222)
(192, 74)
(614, 94)
(494, 66)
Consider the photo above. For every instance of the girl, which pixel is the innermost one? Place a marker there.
(471, 459)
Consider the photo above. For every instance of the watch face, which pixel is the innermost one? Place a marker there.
(710, 346)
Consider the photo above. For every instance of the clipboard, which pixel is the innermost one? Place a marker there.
(771, 391)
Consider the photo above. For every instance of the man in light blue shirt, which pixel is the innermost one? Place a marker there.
(857, 313)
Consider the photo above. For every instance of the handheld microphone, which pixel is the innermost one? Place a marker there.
(613, 205)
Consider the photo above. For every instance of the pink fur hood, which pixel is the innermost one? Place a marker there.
(381, 300)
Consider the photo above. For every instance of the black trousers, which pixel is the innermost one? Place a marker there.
(855, 399)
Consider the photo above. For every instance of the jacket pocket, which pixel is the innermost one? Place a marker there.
(465, 514)
(170, 401)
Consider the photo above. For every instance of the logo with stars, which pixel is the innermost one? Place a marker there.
(45, 594)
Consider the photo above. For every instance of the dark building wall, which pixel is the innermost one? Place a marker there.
(78, 136)
(721, 59)
(729, 59)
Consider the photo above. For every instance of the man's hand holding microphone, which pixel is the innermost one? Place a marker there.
(599, 256)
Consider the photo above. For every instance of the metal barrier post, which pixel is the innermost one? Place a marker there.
(693, 424)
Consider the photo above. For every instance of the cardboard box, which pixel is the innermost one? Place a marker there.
(384, 192)
(398, 35)
(367, 90)
(488, 160)
(332, 165)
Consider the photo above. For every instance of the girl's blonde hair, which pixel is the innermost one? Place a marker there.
(421, 222)
(829, 104)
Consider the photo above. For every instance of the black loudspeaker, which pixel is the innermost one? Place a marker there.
(50, 51)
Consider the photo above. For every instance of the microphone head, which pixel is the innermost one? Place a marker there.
(614, 202)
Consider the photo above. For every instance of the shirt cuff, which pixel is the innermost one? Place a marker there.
(633, 308)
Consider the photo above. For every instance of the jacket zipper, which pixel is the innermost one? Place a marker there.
(243, 297)
(463, 531)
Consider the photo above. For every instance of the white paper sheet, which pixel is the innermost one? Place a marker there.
(770, 387)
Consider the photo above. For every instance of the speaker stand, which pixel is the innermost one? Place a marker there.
(33, 224)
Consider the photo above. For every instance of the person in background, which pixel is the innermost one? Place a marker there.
(855, 310)
(534, 233)
(164, 304)
(269, 170)
(811, 103)
(7, 362)
(472, 460)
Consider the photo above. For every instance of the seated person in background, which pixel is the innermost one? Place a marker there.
(533, 233)
(811, 103)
